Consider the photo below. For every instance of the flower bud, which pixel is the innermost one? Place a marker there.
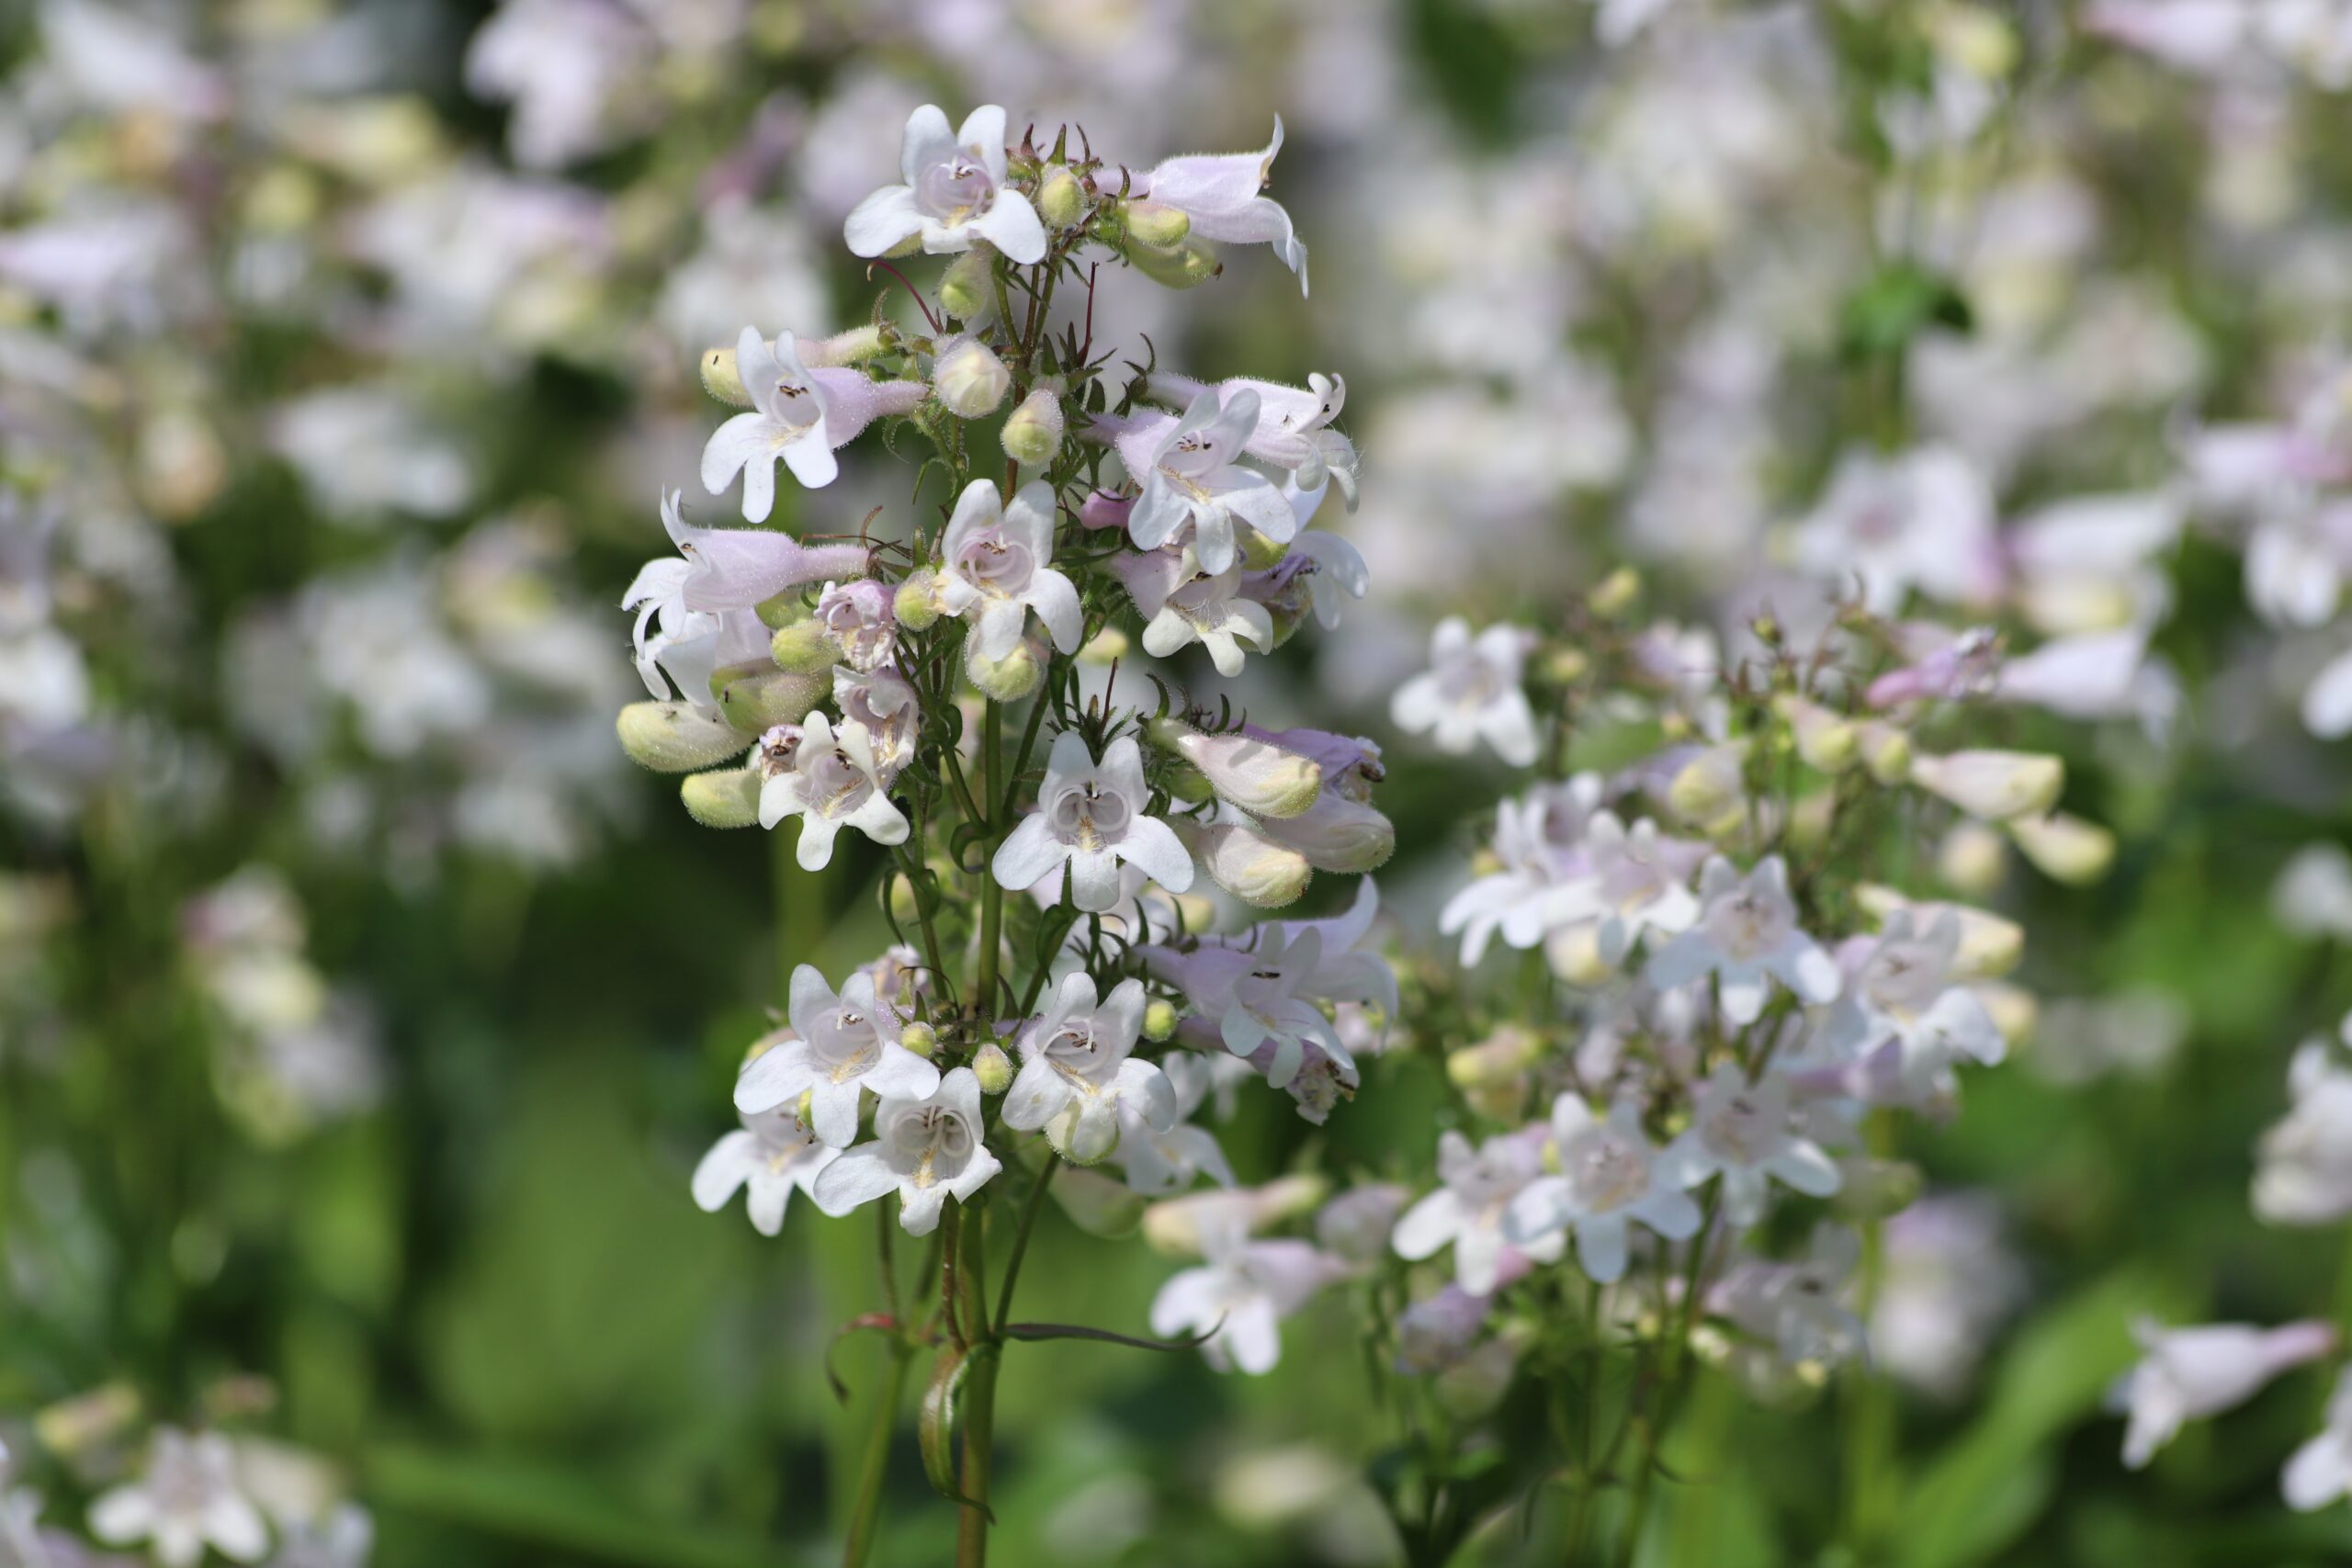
(1033, 432)
(1500, 1058)
(916, 605)
(1256, 775)
(2064, 847)
(1253, 869)
(1156, 223)
(1886, 751)
(804, 647)
(723, 379)
(1989, 943)
(1826, 741)
(1575, 953)
(1105, 645)
(969, 379)
(1010, 678)
(729, 797)
(854, 346)
(993, 1068)
(1992, 784)
(1190, 786)
(1159, 1019)
(1338, 833)
(1810, 820)
(921, 1038)
(1102, 508)
(1061, 198)
(1564, 665)
(1972, 858)
(1709, 793)
(967, 290)
(762, 698)
(905, 907)
(1184, 266)
(1616, 592)
(673, 737)
(2014, 1008)
(1873, 1189)
(782, 609)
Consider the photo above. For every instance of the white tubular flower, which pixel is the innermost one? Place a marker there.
(1638, 883)
(1743, 1133)
(1194, 491)
(2321, 1471)
(1293, 432)
(186, 1498)
(1470, 1212)
(1250, 771)
(2188, 1374)
(796, 414)
(1249, 866)
(1334, 572)
(1904, 987)
(1609, 1177)
(834, 782)
(1090, 818)
(770, 1155)
(1747, 937)
(968, 378)
(1220, 194)
(1078, 1071)
(1239, 1297)
(1471, 693)
(2303, 1163)
(1541, 882)
(996, 570)
(881, 701)
(1992, 785)
(955, 193)
(1799, 1306)
(926, 1149)
(1161, 1160)
(1181, 604)
(737, 568)
(843, 1043)
(1336, 833)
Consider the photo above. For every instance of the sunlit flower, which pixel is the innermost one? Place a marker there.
(927, 1148)
(955, 193)
(1090, 817)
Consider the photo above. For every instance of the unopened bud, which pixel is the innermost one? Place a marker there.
(1616, 592)
(763, 697)
(1708, 788)
(1972, 859)
(904, 905)
(1826, 741)
(2012, 1008)
(805, 646)
(1994, 785)
(969, 379)
(1251, 867)
(1261, 552)
(1061, 200)
(1155, 223)
(993, 1068)
(1873, 1189)
(1502, 1058)
(916, 604)
(1010, 678)
(1184, 266)
(1886, 751)
(1260, 777)
(966, 290)
(854, 346)
(1565, 666)
(2065, 848)
(1338, 833)
(1575, 954)
(674, 738)
(1989, 943)
(1159, 1019)
(1033, 432)
(783, 609)
(723, 379)
(727, 798)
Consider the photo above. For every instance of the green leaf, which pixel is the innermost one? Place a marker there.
(1883, 315)
(1077, 1331)
(935, 1429)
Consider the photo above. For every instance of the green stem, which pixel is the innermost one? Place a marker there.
(867, 1508)
(979, 1400)
(1020, 1239)
(991, 896)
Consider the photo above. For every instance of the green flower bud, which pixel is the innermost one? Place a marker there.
(1159, 1019)
(721, 379)
(854, 346)
(916, 605)
(1061, 198)
(783, 610)
(2064, 847)
(1012, 678)
(922, 1039)
(763, 697)
(966, 290)
(1616, 592)
(728, 797)
(1155, 223)
(804, 646)
(1033, 433)
(969, 379)
(993, 1068)
(1184, 266)
(672, 738)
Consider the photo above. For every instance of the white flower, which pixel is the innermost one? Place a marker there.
(1610, 1175)
(1638, 883)
(881, 701)
(2188, 1374)
(1239, 1297)
(1163, 1160)
(1181, 604)
(786, 420)
(1220, 193)
(1293, 432)
(1090, 817)
(1470, 1212)
(186, 1499)
(2321, 1471)
(834, 782)
(996, 568)
(2303, 1169)
(1079, 1072)
(1743, 1132)
(1992, 785)
(1541, 882)
(1194, 491)
(1924, 520)
(955, 193)
(1904, 987)
(842, 1044)
(926, 1149)
(1799, 1305)
(1471, 693)
(344, 1538)
(1747, 937)
(771, 1154)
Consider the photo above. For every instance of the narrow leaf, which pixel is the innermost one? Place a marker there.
(1076, 1331)
(881, 1320)
(936, 1427)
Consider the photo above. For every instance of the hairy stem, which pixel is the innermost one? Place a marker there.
(991, 896)
(979, 1399)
